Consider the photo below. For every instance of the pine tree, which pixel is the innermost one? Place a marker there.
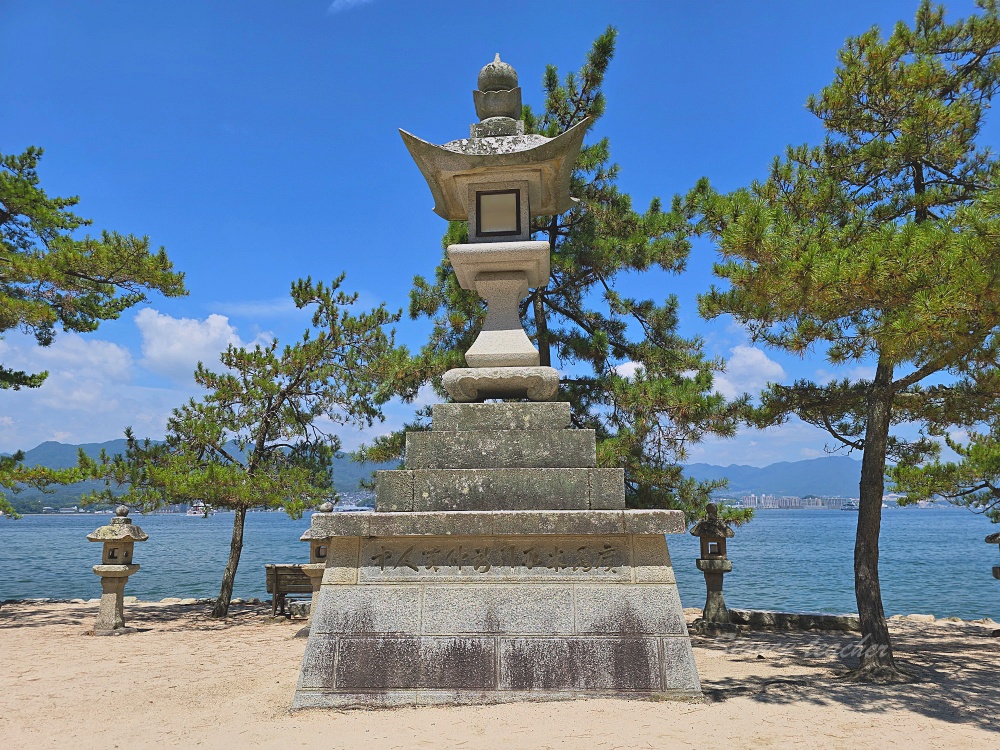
(260, 438)
(880, 247)
(50, 279)
(646, 390)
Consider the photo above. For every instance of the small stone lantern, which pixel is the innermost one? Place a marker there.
(119, 538)
(318, 551)
(712, 531)
(994, 539)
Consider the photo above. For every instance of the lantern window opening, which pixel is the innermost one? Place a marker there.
(498, 213)
(713, 548)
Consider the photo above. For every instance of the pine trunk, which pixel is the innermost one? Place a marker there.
(877, 664)
(542, 332)
(229, 576)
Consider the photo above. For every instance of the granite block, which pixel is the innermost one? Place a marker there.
(367, 609)
(500, 489)
(677, 662)
(651, 560)
(481, 609)
(651, 608)
(394, 490)
(619, 664)
(385, 663)
(506, 416)
(342, 560)
(502, 449)
(607, 489)
(655, 522)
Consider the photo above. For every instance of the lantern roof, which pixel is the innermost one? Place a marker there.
(121, 529)
(993, 538)
(499, 150)
(712, 525)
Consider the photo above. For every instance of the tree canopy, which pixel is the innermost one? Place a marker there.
(628, 373)
(262, 435)
(50, 278)
(878, 246)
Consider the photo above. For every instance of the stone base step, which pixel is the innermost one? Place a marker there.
(499, 489)
(507, 416)
(501, 449)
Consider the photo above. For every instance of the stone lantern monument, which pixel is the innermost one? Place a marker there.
(994, 539)
(119, 538)
(500, 564)
(712, 532)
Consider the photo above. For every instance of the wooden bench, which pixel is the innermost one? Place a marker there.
(283, 580)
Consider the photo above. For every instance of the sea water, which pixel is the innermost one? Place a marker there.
(933, 560)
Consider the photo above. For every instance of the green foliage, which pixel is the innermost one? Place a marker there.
(646, 421)
(16, 477)
(260, 437)
(50, 279)
(878, 246)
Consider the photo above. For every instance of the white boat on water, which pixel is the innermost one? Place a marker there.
(851, 505)
(199, 509)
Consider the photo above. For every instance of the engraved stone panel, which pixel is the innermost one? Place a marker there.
(513, 608)
(499, 489)
(484, 559)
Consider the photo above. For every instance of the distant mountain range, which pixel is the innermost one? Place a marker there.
(347, 474)
(832, 476)
(835, 476)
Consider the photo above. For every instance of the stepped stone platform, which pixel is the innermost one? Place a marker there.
(499, 565)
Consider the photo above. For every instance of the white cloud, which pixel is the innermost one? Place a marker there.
(338, 6)
(793, 441)
(174, 346)
(748, 370)
(627, 370)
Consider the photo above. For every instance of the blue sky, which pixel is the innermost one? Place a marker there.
(257, 142)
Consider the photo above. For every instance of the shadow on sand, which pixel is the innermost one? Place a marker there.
(956, 669)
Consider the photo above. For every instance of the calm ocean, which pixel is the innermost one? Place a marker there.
(933, 560)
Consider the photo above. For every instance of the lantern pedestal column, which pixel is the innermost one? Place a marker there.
(715, 604)
(111, 616)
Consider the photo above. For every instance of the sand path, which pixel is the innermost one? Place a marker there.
(188, 681)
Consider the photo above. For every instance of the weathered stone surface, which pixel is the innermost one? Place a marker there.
(618, 664)
(355, 610)
(481, 609)
(505, 416)
(500, 489)
(651, 608)
(651, 560)
(529, 257)
(504, 449)
(490, 523)
(394, 490)
(479, 620)
(467, 385)
(502, 341)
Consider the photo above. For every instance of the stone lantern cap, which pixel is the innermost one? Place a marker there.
(499, 150)
(993, 538)
(120, 529)
(712, 525)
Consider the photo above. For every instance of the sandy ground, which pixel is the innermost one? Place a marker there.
(187, 681)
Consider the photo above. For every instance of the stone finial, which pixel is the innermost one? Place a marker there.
(497, 76)
(326, 507)
(121, 511)
(498, 96)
